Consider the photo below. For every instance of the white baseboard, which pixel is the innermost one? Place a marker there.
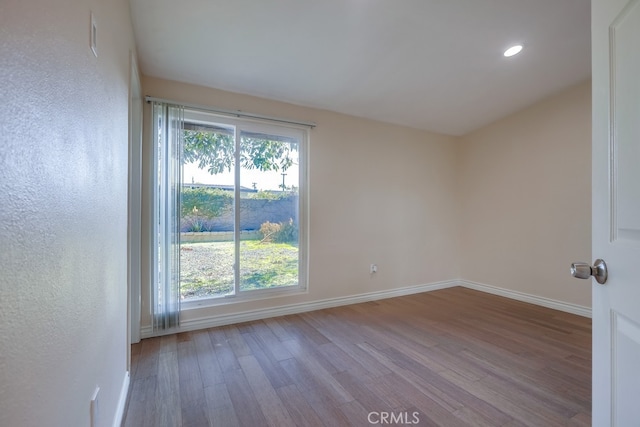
(122, 401)
(246, 316)
(533, 299)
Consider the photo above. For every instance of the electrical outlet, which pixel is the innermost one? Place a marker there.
(373, 268)
(94, 408)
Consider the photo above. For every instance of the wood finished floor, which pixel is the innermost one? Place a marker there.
(456, 357)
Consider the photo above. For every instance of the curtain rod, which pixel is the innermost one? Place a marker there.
(234, 113)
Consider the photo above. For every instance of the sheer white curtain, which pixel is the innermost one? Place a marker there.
(168, 123)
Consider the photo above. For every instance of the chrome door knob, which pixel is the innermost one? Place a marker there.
(582, 270)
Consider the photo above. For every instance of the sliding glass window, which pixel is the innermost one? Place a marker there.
(242, 209)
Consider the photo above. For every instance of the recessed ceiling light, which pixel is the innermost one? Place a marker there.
(513, 50)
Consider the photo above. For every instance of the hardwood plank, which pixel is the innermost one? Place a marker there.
(364, 395)
(270, 344)
(393, 390)
(192, 397)
(194, 415)
(136, 349)
(236, 341)
(343, 337)
(191, 388)
(355, 413)
(219, 408)
(457, 357)
(278, 377)
(421, 386)
(539, 400)
(340, 360)
(326, 408)
(512, 406)
(168, 405)
(278, 330)
(306, 329)
(226, 358)
(148, 361)
(581, 419)
(316, 393)
(169, 343)
(245, 327)
(474, 418)
(413, 349)
(299, 409)
(272, 407)
(142, 404)
(317, 370)
(246, 406)
(536, 379)
(210, 371)
(301, 348)
(300, 375)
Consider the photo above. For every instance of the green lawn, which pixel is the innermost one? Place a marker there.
(206, 269)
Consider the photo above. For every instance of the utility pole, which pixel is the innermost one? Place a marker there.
(283, 186)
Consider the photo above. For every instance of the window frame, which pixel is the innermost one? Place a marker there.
(300, 133)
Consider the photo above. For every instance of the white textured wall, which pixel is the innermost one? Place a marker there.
(63, 210)
(525, 199)
(378, 193)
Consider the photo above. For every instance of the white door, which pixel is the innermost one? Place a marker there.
(616, 211)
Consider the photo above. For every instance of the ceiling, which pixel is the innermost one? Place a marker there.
(428, 64)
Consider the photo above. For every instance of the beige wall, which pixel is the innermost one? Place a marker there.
(63, 210)
(378, 193)
(506, 206)
(525, 199)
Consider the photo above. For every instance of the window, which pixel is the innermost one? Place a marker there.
(242, 209)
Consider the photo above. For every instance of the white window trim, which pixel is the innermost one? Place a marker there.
(300, 132)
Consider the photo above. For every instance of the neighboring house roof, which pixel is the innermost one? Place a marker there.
(219, 187)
